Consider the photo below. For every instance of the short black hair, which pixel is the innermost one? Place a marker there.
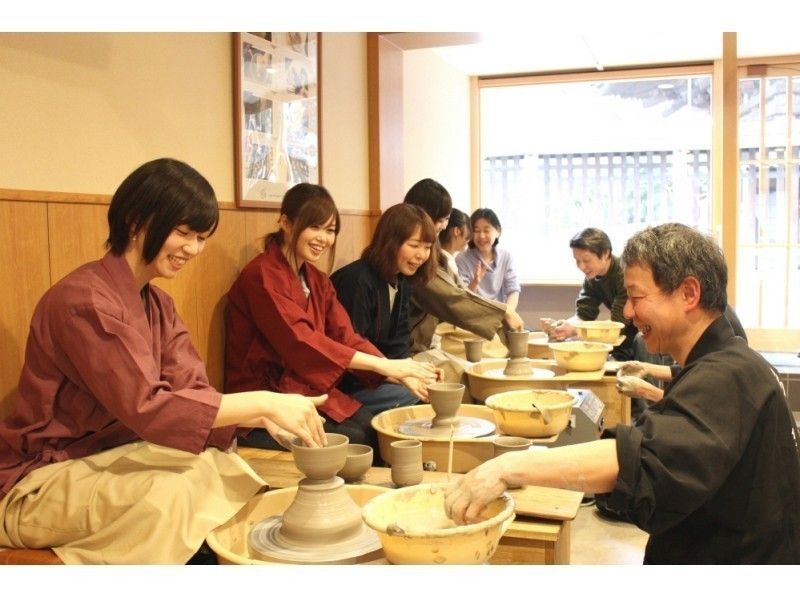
(154, 199)
(432, 197)
(592, 239)
(458, 220)
(490, 217)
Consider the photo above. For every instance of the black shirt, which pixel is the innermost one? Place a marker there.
(366, 298)
(608, 290)
(712, 471)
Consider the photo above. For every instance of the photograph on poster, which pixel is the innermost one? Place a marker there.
(276, 89)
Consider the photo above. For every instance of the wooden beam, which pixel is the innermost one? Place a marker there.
(725, 153)
(385, 115)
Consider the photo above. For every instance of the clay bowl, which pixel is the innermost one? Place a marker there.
(581, 356)
(414, 529)
(321, 463)
(357, 462)
(515, 414)
(600, 331)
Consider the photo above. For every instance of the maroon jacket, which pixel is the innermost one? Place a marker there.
(100, 372)
(278, 340)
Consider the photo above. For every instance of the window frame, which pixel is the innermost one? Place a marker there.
(760, 338)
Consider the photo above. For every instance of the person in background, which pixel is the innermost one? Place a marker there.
(485, 268)
(712, 472)
(445, 298)
(118, 450)
(603, 285)
(287, 332)
(454, 237)
(375, 291)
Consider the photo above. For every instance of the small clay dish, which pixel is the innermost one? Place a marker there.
(357, 463)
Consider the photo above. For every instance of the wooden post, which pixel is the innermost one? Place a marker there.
(725, 153)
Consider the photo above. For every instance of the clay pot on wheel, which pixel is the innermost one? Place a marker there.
(445, 398)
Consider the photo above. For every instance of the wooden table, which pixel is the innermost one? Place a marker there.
(540, 533)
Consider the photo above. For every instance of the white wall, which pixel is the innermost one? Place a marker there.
(79, 111)
(436, 114)
(345, 128)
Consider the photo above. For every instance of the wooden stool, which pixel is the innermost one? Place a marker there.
(27, 556)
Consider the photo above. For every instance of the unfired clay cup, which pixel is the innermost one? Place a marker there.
(445, 398)
(321, 463)
(473, 349)
(517, 343)
(406, 462)
(358, 462)
(505, 444)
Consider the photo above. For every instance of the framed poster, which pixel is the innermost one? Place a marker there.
(276, 114)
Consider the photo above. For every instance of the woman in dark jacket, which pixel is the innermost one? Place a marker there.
(375, 290)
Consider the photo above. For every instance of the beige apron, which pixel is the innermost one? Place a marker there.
(139, 503)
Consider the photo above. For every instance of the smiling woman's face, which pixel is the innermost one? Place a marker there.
(314, 241)
(180, 246)
(484, 235)
(413, 253)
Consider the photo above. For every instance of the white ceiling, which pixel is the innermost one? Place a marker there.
(515, 52)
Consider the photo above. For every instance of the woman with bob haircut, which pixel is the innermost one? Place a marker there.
(485, 268)
(375, 290)
(118, 449)
(287, 332)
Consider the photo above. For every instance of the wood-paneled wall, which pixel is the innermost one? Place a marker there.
(45, 236)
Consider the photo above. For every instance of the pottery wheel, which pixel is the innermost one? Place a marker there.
(466, 427)
(536, 374)
(266, 543)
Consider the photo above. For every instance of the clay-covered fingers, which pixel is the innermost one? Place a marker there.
(467, 499)
(513, 320)
(631, 385)
(455, 503)
(632, 368)
(299, 416)
(462, 506)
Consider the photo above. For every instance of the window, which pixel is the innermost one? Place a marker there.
(616, 154)
(768, 236)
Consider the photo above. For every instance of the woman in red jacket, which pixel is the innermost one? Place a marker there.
(287, 331)
(118, 450)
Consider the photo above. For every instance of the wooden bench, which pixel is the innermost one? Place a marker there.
(27, 556)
